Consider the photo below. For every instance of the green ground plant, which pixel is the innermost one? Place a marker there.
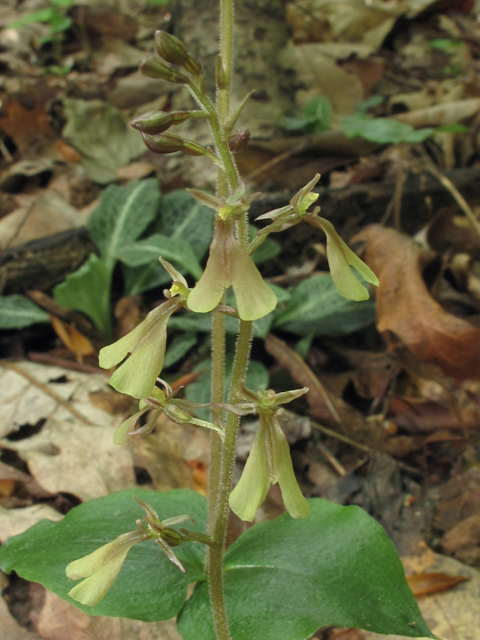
(58, 22)
(318, 564)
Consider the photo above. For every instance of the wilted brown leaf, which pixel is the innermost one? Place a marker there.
(453, 614)
(423, 584)
(59, 620)
(71, 457)
(24, 125)
(406, 309)
(15, 521)
(10, 629)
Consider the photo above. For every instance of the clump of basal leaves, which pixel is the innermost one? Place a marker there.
(318, 564)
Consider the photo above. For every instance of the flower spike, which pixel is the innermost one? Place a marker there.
(230, 265)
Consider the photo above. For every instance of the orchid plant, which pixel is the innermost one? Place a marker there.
(320, 563)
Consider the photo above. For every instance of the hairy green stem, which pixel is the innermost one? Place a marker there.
(225, 485)
(223, 456)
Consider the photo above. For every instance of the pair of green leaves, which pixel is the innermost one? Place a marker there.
(283, 579)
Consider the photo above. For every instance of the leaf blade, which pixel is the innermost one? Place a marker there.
(292, 580)
(149, 587)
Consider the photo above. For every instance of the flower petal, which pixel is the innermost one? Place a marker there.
(175, 275)
(254, 297)
(121, 434)
(340, 257)
(293, 499)
(116, 352)
(137, 376)
(253, 486)
(90, 591)
(208, 291)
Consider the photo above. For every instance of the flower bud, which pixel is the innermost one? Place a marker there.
(153, 123)
(173, 50)
(152, 68)
(220, 73)
(180, 116)
(193, 149)
(163, 143)
(172, 538)
(239, 140)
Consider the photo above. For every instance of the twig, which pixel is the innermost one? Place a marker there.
(339, 468)
(362, 447)
(46, 358)
(452, 189)
(64, 403)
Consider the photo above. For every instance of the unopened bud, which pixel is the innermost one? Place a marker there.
(220, 73)
(193, 149)
(163, 143)
(239, 140)
(173, 50)
(180, 116)
(153, 122)
(153, 68)
(172, 538)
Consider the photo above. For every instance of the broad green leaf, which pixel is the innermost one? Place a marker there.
(149, 250)
(287, 578)
(317, 306)
(202, 322)
(316, 117)
(140, 279)
(100, 132)
(17, 312)
(123, 213)
(178, 347)
(383, 130)
(282, 294)
(267, 250)
(149, 587)
(192, 322)
(184, 218)
(88, 290)
(200, 391)
(42, 15)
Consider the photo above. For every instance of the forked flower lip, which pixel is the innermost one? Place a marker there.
(230, 265)
(269, 461)
(145, 345)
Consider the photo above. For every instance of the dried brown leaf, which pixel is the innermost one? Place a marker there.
(406, 309)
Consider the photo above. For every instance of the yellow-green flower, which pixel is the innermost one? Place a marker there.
(160, 402)
(101, 568)
(269, 461)
(146, 344)
(230, 266)
(340, 257)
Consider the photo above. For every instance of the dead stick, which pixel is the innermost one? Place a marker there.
(362, 447)
(64, 403)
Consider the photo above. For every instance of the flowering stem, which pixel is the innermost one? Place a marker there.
(225, 485)
(222, 457)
